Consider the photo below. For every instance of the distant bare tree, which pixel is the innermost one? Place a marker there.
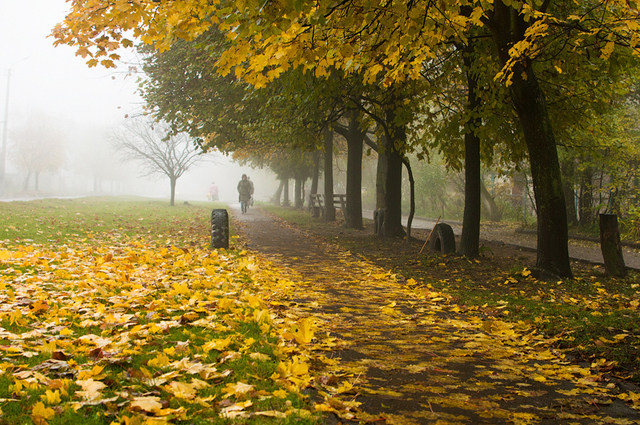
(157, 149)
(38, 147)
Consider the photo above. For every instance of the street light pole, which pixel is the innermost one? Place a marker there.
(3, 150)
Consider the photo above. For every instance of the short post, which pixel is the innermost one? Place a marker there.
(611, 247)
(219, 228)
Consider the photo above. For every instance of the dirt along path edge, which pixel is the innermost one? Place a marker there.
(411, 356)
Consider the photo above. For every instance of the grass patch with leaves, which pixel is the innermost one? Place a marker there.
(594, 318)
(130, 318)
(61, 220)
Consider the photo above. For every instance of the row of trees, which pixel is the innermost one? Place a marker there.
(500, 82)
(40, 146)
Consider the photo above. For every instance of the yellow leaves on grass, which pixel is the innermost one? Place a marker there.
(239, 390)
(91, 389)
(149, 404)
(160, 361)
(80, 309)
(51, 397)
(185, 391)
(41, 414)
(217, 344)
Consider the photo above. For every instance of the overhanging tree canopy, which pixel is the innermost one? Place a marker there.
(392, 41)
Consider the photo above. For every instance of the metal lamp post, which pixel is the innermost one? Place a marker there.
(3, 150)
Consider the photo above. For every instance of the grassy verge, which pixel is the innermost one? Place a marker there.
(63, 220)
(593, 317)
(115, 311)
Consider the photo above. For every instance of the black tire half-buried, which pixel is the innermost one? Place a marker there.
(219, 228)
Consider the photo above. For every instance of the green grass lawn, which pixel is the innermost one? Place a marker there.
(116, 311)
(60, 220)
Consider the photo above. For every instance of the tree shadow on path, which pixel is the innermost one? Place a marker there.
(403, 353)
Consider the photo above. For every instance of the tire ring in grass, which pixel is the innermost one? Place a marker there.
(442, 239)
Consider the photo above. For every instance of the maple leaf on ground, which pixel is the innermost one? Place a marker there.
(239, 389)
(217, 344)
(149, 404)
(91, 390)
(302, 332)
(182, 390)
(235, 410)
(51, 397)
(41, 414)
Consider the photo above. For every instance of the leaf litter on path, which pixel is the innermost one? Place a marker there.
(402, 352)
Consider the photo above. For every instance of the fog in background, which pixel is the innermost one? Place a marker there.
(51, 85)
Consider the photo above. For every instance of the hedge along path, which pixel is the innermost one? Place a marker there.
(404, 353)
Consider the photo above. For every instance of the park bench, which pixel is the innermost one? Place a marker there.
(317, 203)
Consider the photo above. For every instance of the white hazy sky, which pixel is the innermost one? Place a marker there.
(53, 80)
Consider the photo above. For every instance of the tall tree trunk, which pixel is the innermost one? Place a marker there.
(412, 197)
(278, 194)
(173, 181)
(316, 173)
(298, 202)
(567, 168)
(530, 105)
(570, 197)
(285, 189)
(470, 238)
(353, 215)
(25, 185)
(36, 179)
(553, 234)
(492, 209)
(586, 198)
(381, 176)
(392, 226)
(329, 210)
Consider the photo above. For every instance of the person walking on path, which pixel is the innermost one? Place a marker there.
(244, 193)
(213, 192)
(252, 188)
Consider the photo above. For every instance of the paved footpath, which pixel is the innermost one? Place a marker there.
(411, 356)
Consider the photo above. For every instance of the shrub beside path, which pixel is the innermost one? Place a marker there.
(403, 353)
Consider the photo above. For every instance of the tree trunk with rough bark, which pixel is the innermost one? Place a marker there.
(470, 238)
(355, 142)
(611, 247)
(25, 185)
(529, 101)
(298, 202)
(285, 189)
(492, 209)
(173, 181)
(392, 225)
(316, 173)
(278, 194)
(329, 210)
(412, 197)
(381, 177)
(568, 172)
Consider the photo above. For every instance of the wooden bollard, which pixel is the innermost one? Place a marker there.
(611, 247)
